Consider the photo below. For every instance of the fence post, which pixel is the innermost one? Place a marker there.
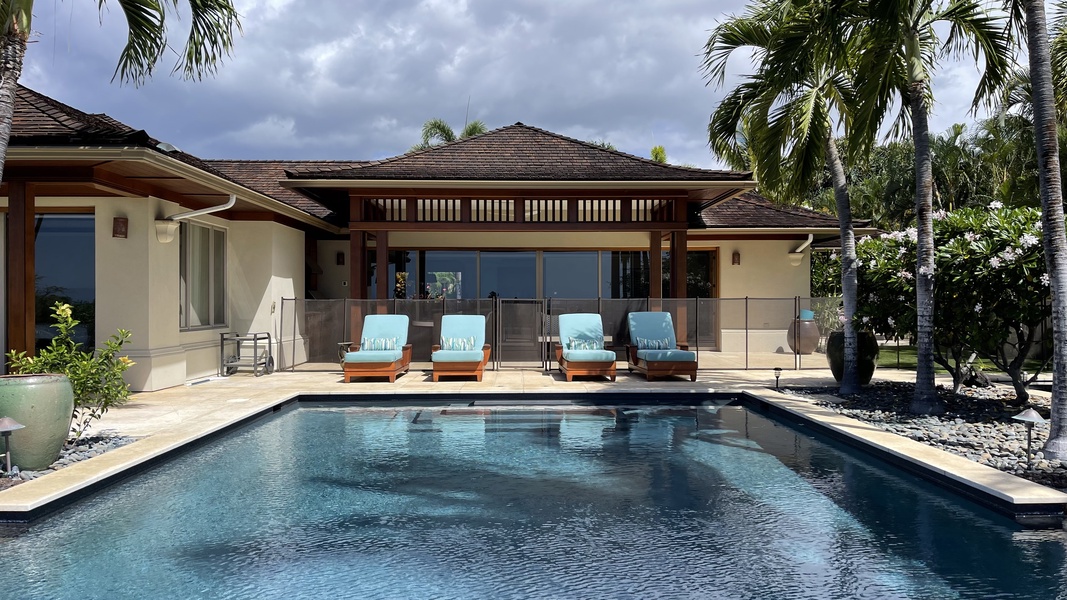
(746, 333)
(796, 333)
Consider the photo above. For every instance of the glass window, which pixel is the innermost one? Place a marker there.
(401, 274)
(624, 274)
(508, 275)
(203, 276)
(449, 274)
(65, 266)
(570, 274)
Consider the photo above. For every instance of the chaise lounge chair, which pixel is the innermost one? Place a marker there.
(462, 350)
(654, 350)
(383, 351)
(581, 350)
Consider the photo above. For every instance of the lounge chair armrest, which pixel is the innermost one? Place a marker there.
(559, 351)
(435, 347)
(631, 353)
(683, 346)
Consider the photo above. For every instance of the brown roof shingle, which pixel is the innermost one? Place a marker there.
(264, 176)
(520, 153)
(753, 210)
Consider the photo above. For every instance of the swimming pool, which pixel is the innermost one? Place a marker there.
(710, 502)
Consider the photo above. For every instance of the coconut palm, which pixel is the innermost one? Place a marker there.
(438, 131)
(900, 51)
(210, 39)
(786, 112)
(1054, 238)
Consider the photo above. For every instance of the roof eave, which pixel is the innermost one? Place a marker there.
(514, 184)
(176, 167)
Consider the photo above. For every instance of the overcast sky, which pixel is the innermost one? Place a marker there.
(348, 79)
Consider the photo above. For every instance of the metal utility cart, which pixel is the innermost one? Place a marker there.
(250, 350)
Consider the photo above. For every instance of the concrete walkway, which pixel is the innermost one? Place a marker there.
(166, 420)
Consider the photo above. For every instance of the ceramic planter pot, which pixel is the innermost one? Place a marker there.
(802, 336)
(45, 405)
(866, 355)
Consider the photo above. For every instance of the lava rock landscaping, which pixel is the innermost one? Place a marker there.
(977, 425)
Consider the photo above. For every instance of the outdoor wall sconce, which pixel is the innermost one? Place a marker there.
(7, 425)
(736, 258)
(777, 374)
(119, 227)
(340, 259)
(1031, 418)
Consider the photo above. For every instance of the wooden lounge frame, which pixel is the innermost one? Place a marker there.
(577, 368)
(382, 369)
(467, 369)
(661, 368)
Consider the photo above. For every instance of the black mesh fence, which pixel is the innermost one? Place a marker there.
(726, 333)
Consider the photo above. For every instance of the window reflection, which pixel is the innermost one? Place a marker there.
(65, 265)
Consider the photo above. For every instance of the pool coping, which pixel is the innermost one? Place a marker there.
(1030, 504)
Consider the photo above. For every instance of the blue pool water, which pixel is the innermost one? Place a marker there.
(714, 502)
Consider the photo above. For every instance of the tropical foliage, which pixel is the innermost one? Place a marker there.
(437, 131)
(992, 292)
(95, 376)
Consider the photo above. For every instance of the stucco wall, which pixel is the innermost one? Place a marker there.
(137, 286)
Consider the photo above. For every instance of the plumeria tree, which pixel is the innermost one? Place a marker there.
(991, 294)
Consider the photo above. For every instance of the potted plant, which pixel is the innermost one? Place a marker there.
(60, 391)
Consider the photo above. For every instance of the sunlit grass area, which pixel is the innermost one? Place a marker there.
(904, 357)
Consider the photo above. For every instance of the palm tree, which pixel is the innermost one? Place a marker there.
(787, 109)
(1053, 236)
(438, 131)
(900, 50)
(210, 39)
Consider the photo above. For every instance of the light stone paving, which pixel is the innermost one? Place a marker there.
(168, 419)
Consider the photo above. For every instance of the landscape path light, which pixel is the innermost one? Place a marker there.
(777, 374)
(1031, 417)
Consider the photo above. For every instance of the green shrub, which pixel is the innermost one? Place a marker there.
(96, 377)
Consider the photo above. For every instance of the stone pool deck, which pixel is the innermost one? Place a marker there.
(166, 420)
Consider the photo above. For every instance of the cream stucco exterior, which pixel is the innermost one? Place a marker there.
(137, 286)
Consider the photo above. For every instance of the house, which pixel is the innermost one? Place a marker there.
(142, 236)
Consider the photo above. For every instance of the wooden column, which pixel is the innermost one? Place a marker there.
(655, 264)
(381, 259)
(679, 241)
(679, 250)
(20, 273)
(357, 267)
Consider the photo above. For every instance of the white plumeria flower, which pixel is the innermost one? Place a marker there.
(996, 205)
(912, 233)
(940, 214)
(1038, 225)
(994, 262)
(1044, 278)
(904, 274)
(1028, 239)
(977, 308)
(833, 256)
(925, 270)
(900, 298)
(865, 319)
(890, 321)
(971, 236)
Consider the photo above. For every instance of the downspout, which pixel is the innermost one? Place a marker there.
(165, 228)
(796, 256)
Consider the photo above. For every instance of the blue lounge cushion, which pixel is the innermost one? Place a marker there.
(458, 356)
(652, 325)
(597, 355)
(384, 327)
(373, 356)
(655, 344)
(667, 355)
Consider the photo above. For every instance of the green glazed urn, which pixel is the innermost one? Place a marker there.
(44, 404)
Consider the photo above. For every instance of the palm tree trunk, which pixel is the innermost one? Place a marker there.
(925, 400)
(849, 377)
(12, 53)
(1048, 161)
